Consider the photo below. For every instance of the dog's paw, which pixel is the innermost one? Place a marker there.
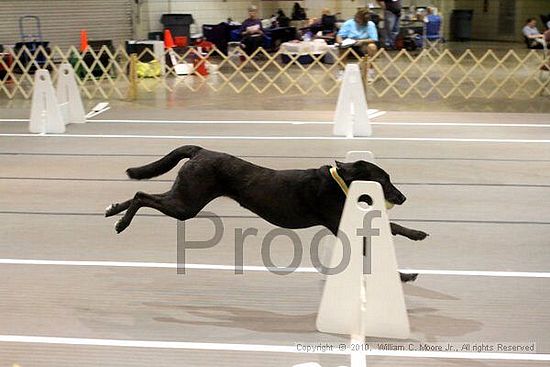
(417, 235)
(121, 225)
(110, 210)
(405, 278)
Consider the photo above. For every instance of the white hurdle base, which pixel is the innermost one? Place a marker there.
(351, 117)
(354, 303)
(51, 110)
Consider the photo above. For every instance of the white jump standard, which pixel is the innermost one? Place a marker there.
(52, 110)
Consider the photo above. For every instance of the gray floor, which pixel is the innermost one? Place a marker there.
(483, 202)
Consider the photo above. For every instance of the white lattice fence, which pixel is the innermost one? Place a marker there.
(443, 73)
(488, 75)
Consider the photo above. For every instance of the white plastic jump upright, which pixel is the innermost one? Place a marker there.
(68, 96)
(361, 304)
(46, 115)
(351, 117)
(51, 110)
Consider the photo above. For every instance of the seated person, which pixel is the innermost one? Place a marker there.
(282, 19)
(359, 32)
(532, 35)
(325, 24)
(252, 31)
(298, 13)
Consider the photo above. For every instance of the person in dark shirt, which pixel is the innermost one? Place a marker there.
(298, 13)
(252, 31)
(392, 15)
(282, 19)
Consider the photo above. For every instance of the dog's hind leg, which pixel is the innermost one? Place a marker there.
(116, 208)
(165, 203)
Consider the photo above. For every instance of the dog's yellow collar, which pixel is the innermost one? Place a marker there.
(340, 181)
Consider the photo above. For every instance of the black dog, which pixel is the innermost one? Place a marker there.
(286, 198)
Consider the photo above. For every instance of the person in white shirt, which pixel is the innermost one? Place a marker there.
(534, 37)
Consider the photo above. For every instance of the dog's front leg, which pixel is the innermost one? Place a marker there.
(412, 234)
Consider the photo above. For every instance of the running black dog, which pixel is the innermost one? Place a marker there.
(286, 198)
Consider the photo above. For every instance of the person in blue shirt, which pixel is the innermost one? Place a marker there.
(361, 30)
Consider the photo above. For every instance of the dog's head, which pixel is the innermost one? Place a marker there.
(365, 171)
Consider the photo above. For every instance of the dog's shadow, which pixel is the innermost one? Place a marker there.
(243, 318)
(427, 322)
(424, 321)
(417, 291)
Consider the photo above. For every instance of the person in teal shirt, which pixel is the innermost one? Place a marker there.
(361, 34)
(361, 30)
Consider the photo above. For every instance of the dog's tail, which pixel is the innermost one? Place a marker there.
(164, 164)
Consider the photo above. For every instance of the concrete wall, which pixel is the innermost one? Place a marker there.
(486, 21)
(203, 11)
(313, 7)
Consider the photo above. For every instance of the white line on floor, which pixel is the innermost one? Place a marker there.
(456, 124)
(371, 115)
(216, 122)
(135, 264)
(203, 122)
(479, 273)
(263, 348)
(284, 138)
(158, 344)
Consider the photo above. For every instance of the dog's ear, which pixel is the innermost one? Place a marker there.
(345, 170)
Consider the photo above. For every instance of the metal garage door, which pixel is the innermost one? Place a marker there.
(62, 20)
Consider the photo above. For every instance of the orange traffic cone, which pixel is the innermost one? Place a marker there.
(83, 40)
(168, 40)
(200, 66)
